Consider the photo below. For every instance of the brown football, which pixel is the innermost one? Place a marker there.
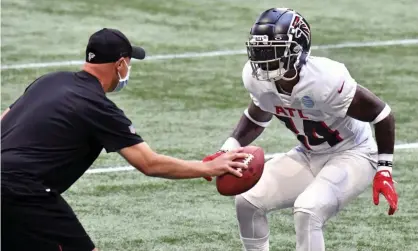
(230, 185)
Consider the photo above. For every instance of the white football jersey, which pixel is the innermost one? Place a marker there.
(316, 109)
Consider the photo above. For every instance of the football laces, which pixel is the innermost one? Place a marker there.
(248, 159)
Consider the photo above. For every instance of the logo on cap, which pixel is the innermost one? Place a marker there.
(91, 56)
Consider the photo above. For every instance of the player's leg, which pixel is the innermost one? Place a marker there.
(343, 178)
(283, 179)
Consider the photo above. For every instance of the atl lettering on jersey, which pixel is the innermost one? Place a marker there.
(316, 109)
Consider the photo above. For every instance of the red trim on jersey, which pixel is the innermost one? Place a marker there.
(336, 132)
(294, 126)
(314, 134)
(301, 115)
(305, 142)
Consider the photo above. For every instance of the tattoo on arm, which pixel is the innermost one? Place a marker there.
(366, 106)
(246, 131)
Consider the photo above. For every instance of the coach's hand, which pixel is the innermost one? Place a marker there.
(223, 162)
(383, 184)
(210, 158)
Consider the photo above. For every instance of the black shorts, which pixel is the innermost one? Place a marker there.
(42, 221)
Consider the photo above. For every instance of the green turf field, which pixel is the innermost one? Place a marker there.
(187, 107)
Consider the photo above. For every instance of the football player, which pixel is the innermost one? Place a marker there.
(318, 100)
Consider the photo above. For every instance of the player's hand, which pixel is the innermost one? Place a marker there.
(210, 158)
(221, 163)
(383, 184)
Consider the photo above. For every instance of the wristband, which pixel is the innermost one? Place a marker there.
(230, 144)
(385, 162)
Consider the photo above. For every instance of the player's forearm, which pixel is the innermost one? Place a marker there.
(173, 168)
(250, 126)
(246, 131)
(367, 107)
(385, 138)
(385, 135)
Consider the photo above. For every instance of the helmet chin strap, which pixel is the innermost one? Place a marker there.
(276, 74)
(300, 60)
(271, 75)
(282, 90)
(286, 79)
(291, 78)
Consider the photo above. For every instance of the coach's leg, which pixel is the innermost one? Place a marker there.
(343, 178)
(283, 179)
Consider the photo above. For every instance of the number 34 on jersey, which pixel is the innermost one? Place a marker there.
(308, 132)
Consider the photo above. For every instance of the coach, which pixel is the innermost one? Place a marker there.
(54, 132)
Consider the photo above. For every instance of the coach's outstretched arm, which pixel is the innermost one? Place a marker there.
(153, 164)
(116, 133)
(367, 107)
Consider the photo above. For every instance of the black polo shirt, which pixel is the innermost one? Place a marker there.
(56, 130)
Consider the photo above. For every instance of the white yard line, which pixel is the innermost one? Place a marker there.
(217, 53)
(268, 156)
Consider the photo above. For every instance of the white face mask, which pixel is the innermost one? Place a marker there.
(123, 81)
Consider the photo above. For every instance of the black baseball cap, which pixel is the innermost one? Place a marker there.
(109, 45)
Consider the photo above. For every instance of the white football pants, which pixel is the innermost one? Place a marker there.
(317, 186)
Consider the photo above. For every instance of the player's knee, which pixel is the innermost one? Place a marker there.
(245, 208)
(252, 220)
(247, 212)
(307, 220)
(322, 203)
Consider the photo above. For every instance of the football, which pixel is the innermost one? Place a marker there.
(230, 185)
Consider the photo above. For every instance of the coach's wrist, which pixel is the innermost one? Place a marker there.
(205, 168)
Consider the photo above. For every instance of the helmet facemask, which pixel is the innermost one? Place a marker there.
(271, 59)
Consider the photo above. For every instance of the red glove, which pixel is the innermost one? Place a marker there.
(212, 157)
(383, 183)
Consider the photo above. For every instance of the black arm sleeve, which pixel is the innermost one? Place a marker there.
(12, 104)
(26, 89)
(111, 127)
